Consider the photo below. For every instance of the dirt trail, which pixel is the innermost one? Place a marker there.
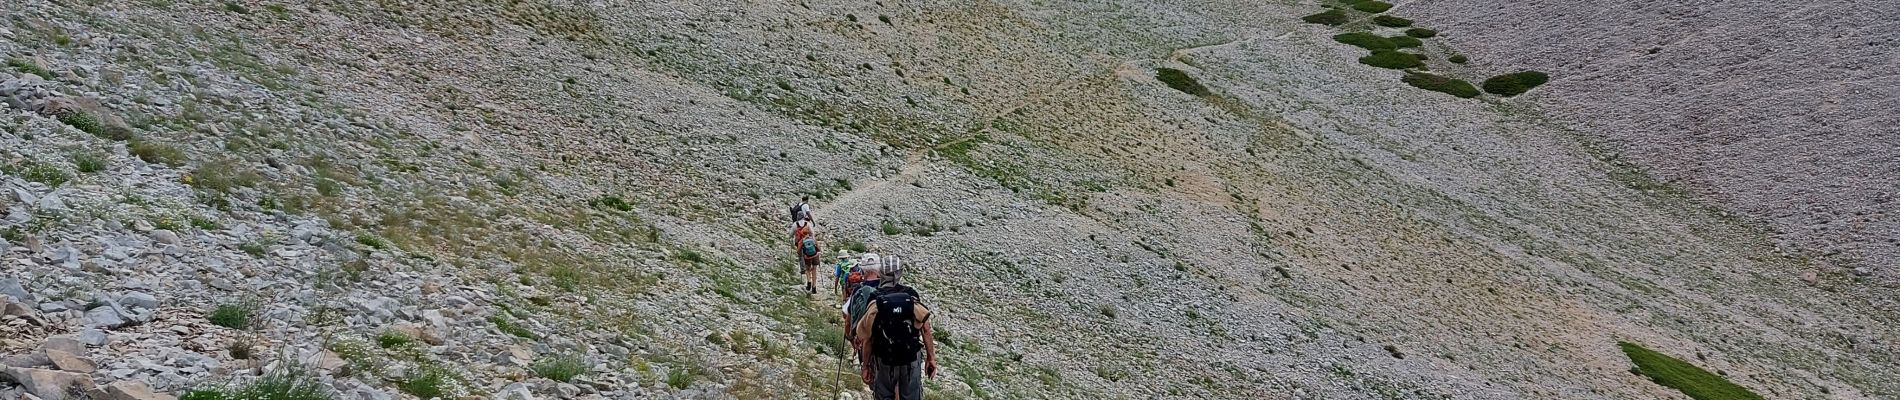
(913, 167)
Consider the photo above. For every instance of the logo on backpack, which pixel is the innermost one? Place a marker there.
(894, 333)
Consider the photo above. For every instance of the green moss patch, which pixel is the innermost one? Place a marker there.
(1372, 6)
(1391, 21)
(1405, 41)
(1458, 59)
(1330, 17)
(1441, 84)
(1392, 59)
(1366, 41)
(1421, 33)
(1513, 84)
(1694, 381)
(1179, 80)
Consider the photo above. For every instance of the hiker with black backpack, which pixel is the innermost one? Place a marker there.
(895, 328)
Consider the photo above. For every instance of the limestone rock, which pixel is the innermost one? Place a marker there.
(49, 384)
(68, 362)
(133, 390)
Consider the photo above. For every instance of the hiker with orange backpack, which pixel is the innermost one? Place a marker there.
(805, 246)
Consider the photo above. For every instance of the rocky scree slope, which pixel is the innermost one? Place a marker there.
(437, 199)
(1777, 112)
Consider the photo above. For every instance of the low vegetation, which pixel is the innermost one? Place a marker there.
(29, 66)
(287, 383)
(1405, 42)
(1371, 6)
(1513, 84)
(233, 315)
(36, 171)
(1392, 59)
(430, 382)
(1458, 59)
(1330, 17)
(1441, 84)
(1391, 21)
(1179, 80)
(1421, 33)
(392, 339)
(157, 153)
(560, 369)
(89, 162)
(1365, 40)
(1694, 381)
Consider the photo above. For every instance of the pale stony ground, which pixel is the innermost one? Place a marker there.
(1083, 230)
(1783, 112)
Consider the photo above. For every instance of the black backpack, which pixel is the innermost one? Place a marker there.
(795, 212)
(895, 339)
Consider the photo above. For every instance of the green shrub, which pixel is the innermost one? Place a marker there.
(1391, 21)
(157, 153)
(83, 121)
(612, 202)
(1391, 59)
(89, 162)
(29, 66)
(1405, 42)
(233, 315)
(328, 187)
(1365, 41)
(392, 339)
(224, 175)
(681, 377)
(890, 228)
(288, 383)
(1372, 6)
(429, 383)
(256, 248)
(1179, 80)
(1513, 84)
(1694, 381)
(560, 369)
(1442, 84)
(36, 171)
(510, 328)
(1421, 33)
(1458, 59)
(203, 222)
(372, 241)
(1330, 17)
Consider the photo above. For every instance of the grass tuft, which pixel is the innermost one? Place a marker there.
(157, 153)
(560, 369)
(1392, 59)
(431, 382)
(1405, 42)
(1694, 381)
(1179, 80)
(1458, 59)
(390, 339)
(1365, 41)
(233, 315)
(36, 171)
(293, 382)
(1391, 21)
(89, 162)
(1372, 6)
(1421, 33)
(1513, 84)
(509, 327)
(612, 202)
(29, 66)
(1330, 17)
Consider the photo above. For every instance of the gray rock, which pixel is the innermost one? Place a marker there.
(140, 300)
(515, 391)
(11, 286)
(132, 390)
(92, 337)
(105, 317)
(70, 362)
(164, 236)
(49, 384)
(65, 343)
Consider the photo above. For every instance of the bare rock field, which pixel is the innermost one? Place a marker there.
(533, 199)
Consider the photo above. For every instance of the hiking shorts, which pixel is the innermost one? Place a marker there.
(898, 381)
(807, 264)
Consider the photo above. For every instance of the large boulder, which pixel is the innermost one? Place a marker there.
(69, 362)
(132, 390)
(49, 384)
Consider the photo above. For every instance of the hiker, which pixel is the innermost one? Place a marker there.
(894, 329)
(802, 210)
(805, 246)
(858, 295)
(844, 270)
